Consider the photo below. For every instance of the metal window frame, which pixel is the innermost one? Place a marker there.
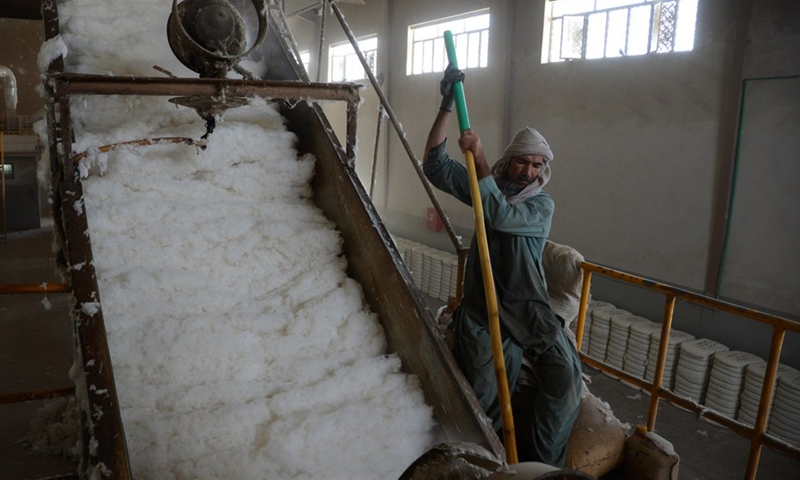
(456, 37)
(332, 57)
(654, 29)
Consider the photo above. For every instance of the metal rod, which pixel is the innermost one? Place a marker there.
(22, 288)
(352, 128)
(666, 326)
(587, 282)
(400, 133)
(77, 84)
(139, 143)
(321, 40)
(775, 348)
(377, 148)
(462, 262)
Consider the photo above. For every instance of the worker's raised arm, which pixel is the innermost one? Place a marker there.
(438, 132)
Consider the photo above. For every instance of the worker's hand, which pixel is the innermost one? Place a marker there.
(469, 140)
(451, 76)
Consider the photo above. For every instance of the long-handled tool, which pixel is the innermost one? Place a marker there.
(486, 267)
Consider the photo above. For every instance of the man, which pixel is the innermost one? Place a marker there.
(517, 215)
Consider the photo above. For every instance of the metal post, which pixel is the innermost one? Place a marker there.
(462, 262)
(775, 348)
(666, 326)
(90, 331)
(587, 281)
(352, 123)
(375, 155)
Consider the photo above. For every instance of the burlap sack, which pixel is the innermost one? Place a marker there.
(597, 443)
(562, 270)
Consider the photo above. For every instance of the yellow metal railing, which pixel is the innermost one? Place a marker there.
(756, 434)
(17, 124)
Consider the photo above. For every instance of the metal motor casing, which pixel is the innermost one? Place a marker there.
(209, 37)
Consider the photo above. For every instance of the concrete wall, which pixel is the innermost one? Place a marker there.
(646, 147)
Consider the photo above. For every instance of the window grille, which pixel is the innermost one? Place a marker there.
(344, 65)
(589, 29)
(426, 50)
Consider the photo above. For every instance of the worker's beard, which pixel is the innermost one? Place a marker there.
(510, 188)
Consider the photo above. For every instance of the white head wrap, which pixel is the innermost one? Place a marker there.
(526, 142)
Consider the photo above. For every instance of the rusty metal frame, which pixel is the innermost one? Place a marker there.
(756, 434)
(22, 288)
(65, 84)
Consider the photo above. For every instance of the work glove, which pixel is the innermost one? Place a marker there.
(451, 76)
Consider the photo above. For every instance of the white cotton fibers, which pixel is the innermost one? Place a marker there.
(240, 347)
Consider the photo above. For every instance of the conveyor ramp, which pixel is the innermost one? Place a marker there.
(372, 258)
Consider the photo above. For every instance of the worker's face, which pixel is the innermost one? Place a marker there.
(524, 169)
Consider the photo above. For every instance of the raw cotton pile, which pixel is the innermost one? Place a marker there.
(240, 347)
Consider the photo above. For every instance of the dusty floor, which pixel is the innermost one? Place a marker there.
(36, 353)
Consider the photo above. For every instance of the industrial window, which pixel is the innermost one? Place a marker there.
(343, 63)
(426, 52)
(588, 29)
(8, 171)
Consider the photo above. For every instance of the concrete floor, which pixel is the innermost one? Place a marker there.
(36, 352)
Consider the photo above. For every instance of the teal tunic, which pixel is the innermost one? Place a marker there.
(516, 236)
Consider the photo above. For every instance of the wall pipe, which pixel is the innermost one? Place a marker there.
(734, 176)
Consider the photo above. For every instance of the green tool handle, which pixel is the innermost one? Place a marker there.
(458, 87)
